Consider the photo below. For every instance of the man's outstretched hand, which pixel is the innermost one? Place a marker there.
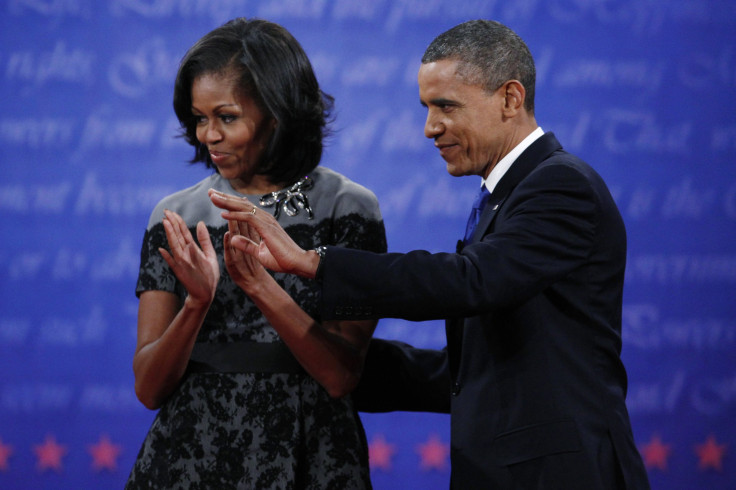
(271, 245)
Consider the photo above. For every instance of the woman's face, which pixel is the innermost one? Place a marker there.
(231, 125)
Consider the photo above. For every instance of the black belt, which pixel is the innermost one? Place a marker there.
(243, 357)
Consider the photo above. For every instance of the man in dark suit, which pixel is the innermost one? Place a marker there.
(531, 374)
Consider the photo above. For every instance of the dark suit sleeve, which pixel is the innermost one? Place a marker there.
(545, 230)
(398, 376)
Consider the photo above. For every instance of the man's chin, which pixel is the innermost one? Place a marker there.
(455, 171)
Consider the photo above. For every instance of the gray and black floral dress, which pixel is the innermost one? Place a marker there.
(246, 415)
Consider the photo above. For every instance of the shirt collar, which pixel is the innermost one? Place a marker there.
(505, 164)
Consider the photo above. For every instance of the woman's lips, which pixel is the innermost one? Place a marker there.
(218, 157)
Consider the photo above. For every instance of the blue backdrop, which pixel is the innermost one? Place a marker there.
(643, 90)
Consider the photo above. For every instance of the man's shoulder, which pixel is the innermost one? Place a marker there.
(553, 153)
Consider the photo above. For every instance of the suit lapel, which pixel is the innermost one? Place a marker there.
(535, 154)
(488, 215)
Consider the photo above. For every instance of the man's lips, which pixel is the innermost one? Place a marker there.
(445, 148)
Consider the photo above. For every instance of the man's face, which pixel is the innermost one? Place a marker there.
(464, 120)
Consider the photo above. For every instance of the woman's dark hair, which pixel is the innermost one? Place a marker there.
(271, 67)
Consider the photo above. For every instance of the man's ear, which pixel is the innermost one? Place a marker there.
(514, 95)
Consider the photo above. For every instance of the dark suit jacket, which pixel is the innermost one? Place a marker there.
(531, 374)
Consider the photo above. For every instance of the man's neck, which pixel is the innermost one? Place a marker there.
(500, 169)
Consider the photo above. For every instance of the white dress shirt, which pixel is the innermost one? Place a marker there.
(505, 164)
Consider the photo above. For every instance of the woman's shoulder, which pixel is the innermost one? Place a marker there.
(331, 182)
(338, 195)
(191, 203)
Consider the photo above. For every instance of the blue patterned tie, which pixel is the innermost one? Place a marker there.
(480, 201)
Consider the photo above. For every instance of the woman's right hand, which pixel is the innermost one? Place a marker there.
(197, 268)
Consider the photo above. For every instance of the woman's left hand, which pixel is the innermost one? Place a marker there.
(274, 248)
(243, 268)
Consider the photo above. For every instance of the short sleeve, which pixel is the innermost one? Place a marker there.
(358, 222)
(363, 227)
(154, 272)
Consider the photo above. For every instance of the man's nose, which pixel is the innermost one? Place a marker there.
(433, 127)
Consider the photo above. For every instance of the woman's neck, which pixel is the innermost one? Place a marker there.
(255, 184)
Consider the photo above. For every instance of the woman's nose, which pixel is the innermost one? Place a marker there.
(208, 133)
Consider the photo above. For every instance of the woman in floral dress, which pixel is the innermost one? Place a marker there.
(252, 390)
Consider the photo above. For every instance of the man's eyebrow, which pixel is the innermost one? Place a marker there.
(439, 101)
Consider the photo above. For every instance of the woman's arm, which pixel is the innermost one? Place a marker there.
(166, 335)
(332, 353)
(167, 329)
